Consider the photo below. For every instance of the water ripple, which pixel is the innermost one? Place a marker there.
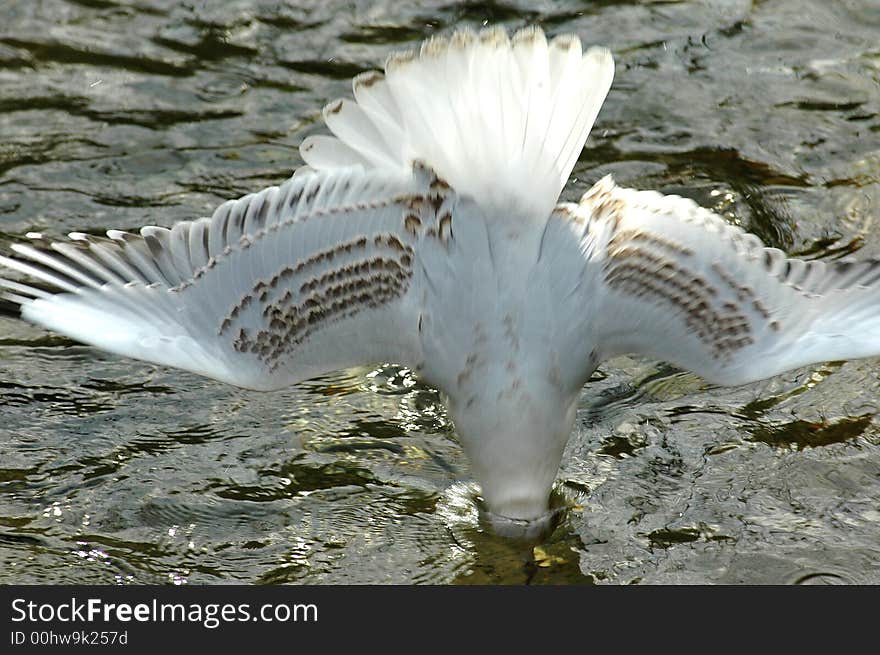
(119, 113)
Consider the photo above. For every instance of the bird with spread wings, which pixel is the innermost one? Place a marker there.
(427, 231)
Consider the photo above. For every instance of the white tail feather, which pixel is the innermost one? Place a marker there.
(502, 120)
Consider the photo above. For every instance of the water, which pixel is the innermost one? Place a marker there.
(116, 114)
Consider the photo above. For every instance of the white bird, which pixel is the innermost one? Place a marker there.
(426, 232)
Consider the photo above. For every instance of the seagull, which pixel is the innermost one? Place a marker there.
(427, 231)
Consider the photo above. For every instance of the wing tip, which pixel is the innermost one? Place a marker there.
(466, 38)
(605, 186)
(399, 60)
(365, 80)
(602, 60)
(529, 36)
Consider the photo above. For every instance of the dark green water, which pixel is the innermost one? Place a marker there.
(117, 114)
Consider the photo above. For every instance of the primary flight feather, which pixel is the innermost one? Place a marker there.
(426, 231)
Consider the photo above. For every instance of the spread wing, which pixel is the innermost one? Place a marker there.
(275, 287)
(323, 272)
(676, 282)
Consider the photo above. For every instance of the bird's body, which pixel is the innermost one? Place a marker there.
(502, 337)
(427, 233)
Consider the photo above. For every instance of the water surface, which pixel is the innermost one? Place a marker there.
(117, 114)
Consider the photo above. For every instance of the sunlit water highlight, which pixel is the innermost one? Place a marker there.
(117, 114)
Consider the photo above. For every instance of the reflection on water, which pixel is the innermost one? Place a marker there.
(116, 114)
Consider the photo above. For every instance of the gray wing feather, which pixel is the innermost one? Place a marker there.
(275, 287)
(675, 281)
